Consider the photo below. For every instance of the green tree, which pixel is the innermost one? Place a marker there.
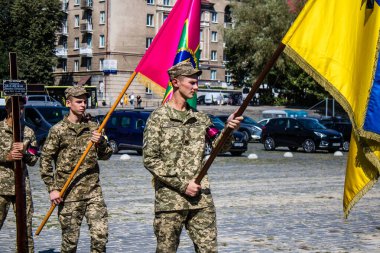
(259, 27)
(29, 28)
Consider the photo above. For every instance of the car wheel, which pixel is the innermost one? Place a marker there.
(114, 146)
(208, 148)
(269, 144)
(236, 153)
(247, 135)
(292, 148)
(346, 146)
(308, 146)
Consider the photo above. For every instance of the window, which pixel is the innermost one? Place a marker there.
(149, 20)
(214, 17)
(102, 41)
(101, 64)
(148, 42)
(213, 55)
(213, 74)
(76, 65)
(214, 36)
(228, 77)
(76, 43)
(125, 122)
(148, 89)
(76, 2)
(166, 16)
(102, 18)
(76, 21)
(89, 40)
(64, 66)
(150, 1)
(166, 2)
(88, 64)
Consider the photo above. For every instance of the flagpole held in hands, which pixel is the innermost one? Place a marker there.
(227, 131)
(89, 145)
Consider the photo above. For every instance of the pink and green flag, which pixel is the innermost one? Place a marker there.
(176, 41)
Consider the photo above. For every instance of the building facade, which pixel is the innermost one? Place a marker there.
(102, 41)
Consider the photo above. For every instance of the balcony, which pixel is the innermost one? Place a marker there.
(85, 52)
(62, 31)
(61, 52)
(86, 28)
(86, 4)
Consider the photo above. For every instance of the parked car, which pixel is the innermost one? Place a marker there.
(345, 128)
(211, 98)
(41, 100)
(125, 129)
(293, 133)
(249, 127)
(236, 99)
(3, 112)
(42, 118)
(201, 100)
(239, 145)
(263, 122)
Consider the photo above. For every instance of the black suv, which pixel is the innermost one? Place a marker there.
(125, 129)
(293, 133)
(345, 128)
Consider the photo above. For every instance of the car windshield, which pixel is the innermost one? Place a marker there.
(311, 124)
(248, 120)
(53, 114)
(218, 123)
(36, 98)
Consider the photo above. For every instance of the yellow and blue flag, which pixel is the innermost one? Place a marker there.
(337, 43)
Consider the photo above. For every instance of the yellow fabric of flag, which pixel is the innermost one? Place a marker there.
(337, 43)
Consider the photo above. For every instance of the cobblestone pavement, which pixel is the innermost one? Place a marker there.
(272, 204)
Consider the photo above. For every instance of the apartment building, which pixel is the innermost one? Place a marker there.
(102, 41)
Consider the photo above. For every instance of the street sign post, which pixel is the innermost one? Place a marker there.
(14, 88)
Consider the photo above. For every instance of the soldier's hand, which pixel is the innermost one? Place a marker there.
(19, 146)
(233, 122)
(14, 155)
(55, 198)
(16, 152)
(193, 188)
(96, 137)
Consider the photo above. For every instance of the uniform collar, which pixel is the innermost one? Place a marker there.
(174, 116)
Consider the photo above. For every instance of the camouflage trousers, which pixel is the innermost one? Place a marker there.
(5, 202)
(70, 216)
(200, 225)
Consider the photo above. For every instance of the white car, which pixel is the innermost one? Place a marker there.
(41, 100)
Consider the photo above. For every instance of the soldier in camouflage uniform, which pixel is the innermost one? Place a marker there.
(10, 152)
(66, 142)
(174, 142)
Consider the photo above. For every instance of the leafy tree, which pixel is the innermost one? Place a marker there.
(29, 28)
(259, 27)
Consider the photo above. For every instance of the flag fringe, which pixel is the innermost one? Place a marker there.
(361, 136)
(333, 91)
(358, 196)
(148, 83)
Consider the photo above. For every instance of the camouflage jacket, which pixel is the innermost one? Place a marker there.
(7, 175)
(64, 146)
(173, 154)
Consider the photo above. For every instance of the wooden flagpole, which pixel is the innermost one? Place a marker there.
(227, 131)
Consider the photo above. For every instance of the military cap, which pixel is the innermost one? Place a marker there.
(183, 69)
(76, 91)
